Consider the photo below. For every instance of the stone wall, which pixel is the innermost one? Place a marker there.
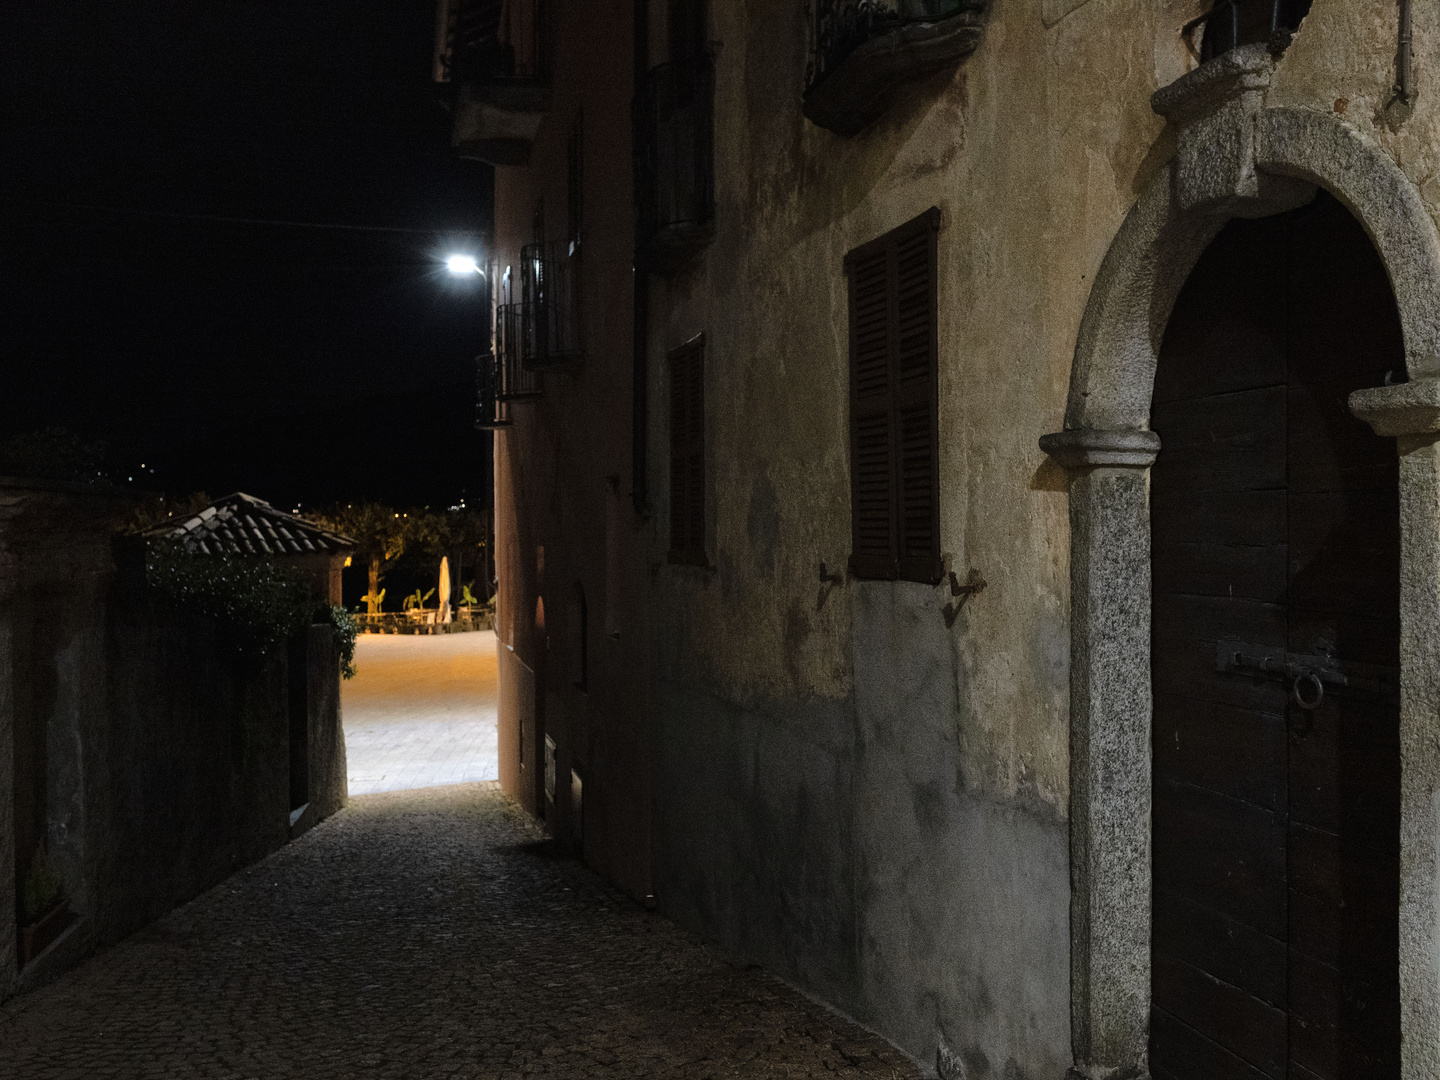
(148, 756)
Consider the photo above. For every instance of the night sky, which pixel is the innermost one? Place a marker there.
(303, 365)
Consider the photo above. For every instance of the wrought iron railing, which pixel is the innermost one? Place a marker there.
(490, 412)
(1232, 23)
(675, 152)
(483, 42)
(549, 308)
(839, 27)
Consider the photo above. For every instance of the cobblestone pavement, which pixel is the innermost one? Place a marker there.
(421, 711)
(424, 934)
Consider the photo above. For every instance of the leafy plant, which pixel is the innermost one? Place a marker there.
(415, 600)
(257, 600)
(346, 627)
(468, 596)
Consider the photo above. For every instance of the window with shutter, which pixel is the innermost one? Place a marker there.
(894, 414)
(687, 453)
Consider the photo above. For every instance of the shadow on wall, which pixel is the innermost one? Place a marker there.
(143, 758)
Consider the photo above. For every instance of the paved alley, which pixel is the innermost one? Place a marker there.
(420, 711)
(425, 933)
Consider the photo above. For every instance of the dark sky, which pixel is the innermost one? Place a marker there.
(299, 364)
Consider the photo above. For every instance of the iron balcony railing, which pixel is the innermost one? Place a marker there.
(492, 42)
(839, 27)
(1232, 23)
(490, 411)
(549, 308)
(675, 162)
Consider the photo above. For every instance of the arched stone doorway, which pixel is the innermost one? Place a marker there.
(1235, 158)
(1275, 555)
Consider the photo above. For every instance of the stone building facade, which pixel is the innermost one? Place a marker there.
(936, 796)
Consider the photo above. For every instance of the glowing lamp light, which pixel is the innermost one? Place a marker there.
(463, 265)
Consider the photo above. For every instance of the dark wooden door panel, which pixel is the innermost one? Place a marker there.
(1203, 621)
(1274, 517)
(1190, 672)
(1339, 1023)
(1221, 569)
(1251, 518)
(1223, 1014)
(1230, 442)
(1239, 753)
(1337, 562)
(1344, 757)
(1223, 853)
(1182, 1053)
(1227, 949)
(1331, 450)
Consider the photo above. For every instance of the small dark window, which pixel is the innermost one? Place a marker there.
(894, 414)
(687, 453)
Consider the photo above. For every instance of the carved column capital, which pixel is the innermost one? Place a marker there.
(1411, 408)
(1088, 447)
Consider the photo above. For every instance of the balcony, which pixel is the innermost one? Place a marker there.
(674, 165)
(502, 377)
(1232, 23)
(545, 324)
(496, 56)
(863, 52)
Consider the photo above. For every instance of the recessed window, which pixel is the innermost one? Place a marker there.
(894, 407)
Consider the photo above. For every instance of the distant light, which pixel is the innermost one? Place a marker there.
(463, 265)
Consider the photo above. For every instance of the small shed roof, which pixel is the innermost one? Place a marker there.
(243, 524)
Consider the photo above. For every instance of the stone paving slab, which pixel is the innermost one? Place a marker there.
(421, 711)
(426, 933)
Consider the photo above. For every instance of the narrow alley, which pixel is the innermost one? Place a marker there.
(418, 934)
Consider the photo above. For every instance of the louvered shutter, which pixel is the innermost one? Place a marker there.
(894, 425)
(687, 454)
(872, 460)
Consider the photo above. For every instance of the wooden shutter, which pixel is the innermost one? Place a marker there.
(894, 418)
(687, 454)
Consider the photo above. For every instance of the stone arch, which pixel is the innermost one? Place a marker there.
(1234, 158)
(1158, 244)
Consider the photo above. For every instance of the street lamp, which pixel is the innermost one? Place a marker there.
(463, 265)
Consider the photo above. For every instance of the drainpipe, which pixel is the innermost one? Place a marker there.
(1404, 60)
(1402, 104)
(640, 371)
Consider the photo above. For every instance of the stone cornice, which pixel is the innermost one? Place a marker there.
(1411, 408)
(1088, 448)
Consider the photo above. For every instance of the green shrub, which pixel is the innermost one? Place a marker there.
(346, 628)
(257, 600)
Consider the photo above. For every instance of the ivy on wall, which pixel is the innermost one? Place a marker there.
(259, 601)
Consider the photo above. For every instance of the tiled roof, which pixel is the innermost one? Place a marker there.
(244, 524)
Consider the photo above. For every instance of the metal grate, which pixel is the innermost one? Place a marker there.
(1232, 23)
(549, 308)
(492, 41)
(839, 27)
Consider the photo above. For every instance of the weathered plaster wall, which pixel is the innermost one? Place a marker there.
(872, 801)
(893, 794)
(563, 475)
(157, 756)
(918, 770)
(329, 781)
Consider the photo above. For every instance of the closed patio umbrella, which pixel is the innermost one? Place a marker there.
(444, 589)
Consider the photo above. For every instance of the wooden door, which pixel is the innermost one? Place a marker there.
(1275, 659)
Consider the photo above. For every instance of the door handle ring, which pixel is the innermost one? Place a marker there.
(1308, 678)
